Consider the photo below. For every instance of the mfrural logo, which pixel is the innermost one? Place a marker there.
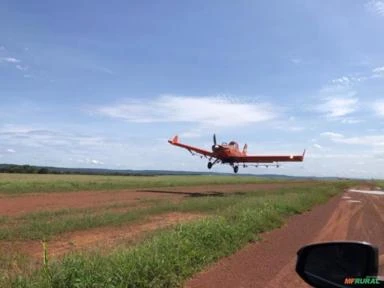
(372, 280)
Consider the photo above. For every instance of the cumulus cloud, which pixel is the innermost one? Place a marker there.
(9, 60)
(318, 146)
(376, 7)
(338, 99)
(368, 140)
(378, 107)
(214, 111)
(338, 106)
(344, 80)
(351, 121)
(88, 161)
(378, 72)
(191, 134)
(331, 135)
(33, 137)
(21, 68)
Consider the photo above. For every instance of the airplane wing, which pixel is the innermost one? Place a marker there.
(175, 141)
(270, 159)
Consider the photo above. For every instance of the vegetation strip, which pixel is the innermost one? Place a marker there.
(44, 225)
(169, 257)
(15, 184)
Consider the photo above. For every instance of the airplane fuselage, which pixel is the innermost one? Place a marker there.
(227, 152)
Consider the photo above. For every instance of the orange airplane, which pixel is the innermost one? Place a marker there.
(230, 154)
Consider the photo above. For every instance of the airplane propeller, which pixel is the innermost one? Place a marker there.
(214, 146)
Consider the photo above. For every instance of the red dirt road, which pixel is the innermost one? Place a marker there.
(26, 203)
(271, 262)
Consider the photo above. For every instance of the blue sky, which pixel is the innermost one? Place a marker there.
(97, 84)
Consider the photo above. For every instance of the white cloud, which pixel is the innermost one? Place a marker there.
(338, 98)
(331, 135)
(214, 111)
(296, 61)
(338, 106)
(21, 68)
(295, 128)
(368, 140)
(351, 121)
(378, 107)
(337, 156)
(344, 80)
(378, 72)
(191, 134)
(318, 146)
(375, 6)
(88, 161)
(9, 60)
(11, 150)
(39, 138)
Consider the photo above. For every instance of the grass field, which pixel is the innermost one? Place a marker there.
(163, 258)
(36, 183)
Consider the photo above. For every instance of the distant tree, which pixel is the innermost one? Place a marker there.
(43, 171)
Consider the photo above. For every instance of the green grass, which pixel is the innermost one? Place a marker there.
(380, 184)
(171, 256)
(43, 225)
(13, 184)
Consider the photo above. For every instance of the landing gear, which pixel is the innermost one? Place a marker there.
(235, 169)
(210, 164)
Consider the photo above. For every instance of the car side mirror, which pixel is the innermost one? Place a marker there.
(338, 264)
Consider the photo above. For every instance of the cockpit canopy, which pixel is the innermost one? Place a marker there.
(233, 143)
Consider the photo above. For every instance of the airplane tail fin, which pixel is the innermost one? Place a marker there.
(174, 140)
(245, 149)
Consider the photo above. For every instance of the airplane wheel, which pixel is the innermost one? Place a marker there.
(235, 169)
(210, 165)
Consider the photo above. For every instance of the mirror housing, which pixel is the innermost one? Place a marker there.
(338, 264)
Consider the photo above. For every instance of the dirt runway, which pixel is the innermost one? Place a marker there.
(26, 203)
(271, 262)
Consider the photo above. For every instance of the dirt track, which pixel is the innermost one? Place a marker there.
(271, 262)
(92, 239)
(17, 205)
